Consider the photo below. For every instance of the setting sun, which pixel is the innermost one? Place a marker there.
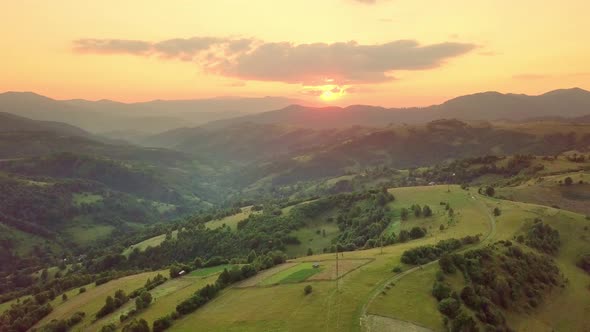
(331, 92)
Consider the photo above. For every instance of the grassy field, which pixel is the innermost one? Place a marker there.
(207, 271)
(86, 198)
(297, 273)
(151, 242)
(94, 298)
(549, 191)
(83, 231)
(333, 305)
(231, 221)
(313, 237)
(165, 299)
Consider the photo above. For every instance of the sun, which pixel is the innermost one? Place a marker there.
(331, 92)
(328, 95)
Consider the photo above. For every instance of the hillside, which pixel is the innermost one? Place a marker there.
(13, 123)
(366, 293)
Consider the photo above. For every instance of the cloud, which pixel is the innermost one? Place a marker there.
(343, 63)
(112, 46)
(340, 63)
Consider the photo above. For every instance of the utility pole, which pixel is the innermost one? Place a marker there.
(337, 281)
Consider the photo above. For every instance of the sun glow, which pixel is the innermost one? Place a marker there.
(331, 92)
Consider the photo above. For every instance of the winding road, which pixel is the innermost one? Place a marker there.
(385, 324)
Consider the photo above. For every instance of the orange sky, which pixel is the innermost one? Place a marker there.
(390, 52)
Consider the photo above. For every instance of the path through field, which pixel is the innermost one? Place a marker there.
(379, 323)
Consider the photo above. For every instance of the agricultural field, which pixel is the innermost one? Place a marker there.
(94, 298)
(151, 242)
(231, 221)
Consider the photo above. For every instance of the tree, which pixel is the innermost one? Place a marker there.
(568, 181)
(449, 307)
(198, 262)
(162, 324)
(137, 326)
(64, 297)
(404, 214)
(441, 227)
(417, 210)
(147, 299)
(490, 191)
(309, 252)
(307, 290)
(497, 212)
(451, 212)
(440, 290)
(417, 232)
(44, 275)
(251, 256)
(427, 211)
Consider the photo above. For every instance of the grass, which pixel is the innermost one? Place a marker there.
(410, 299)
(207, 271)
(83, 231)
(297, 273)
(548, 191)
(151, 242)
(310, 238)
(94, 298)
(231, 221)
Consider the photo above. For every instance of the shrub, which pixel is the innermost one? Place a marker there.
(307, 289)
(162, 324)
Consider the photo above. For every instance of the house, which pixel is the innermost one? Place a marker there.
(181, 272)
(316, 265)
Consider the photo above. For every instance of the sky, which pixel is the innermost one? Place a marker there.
(393, 53)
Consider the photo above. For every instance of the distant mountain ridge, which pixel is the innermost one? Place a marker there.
(148, 117)
(487, 106)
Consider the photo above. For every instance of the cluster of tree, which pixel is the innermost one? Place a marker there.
(362, 218)
(149, 285)
(577, 158)
(469, 169)
(112, 304)
(22, 316)
(414, 233)
(542, 237)
(142, 301)
(424, 254)
(497, 279)
(63, 325)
